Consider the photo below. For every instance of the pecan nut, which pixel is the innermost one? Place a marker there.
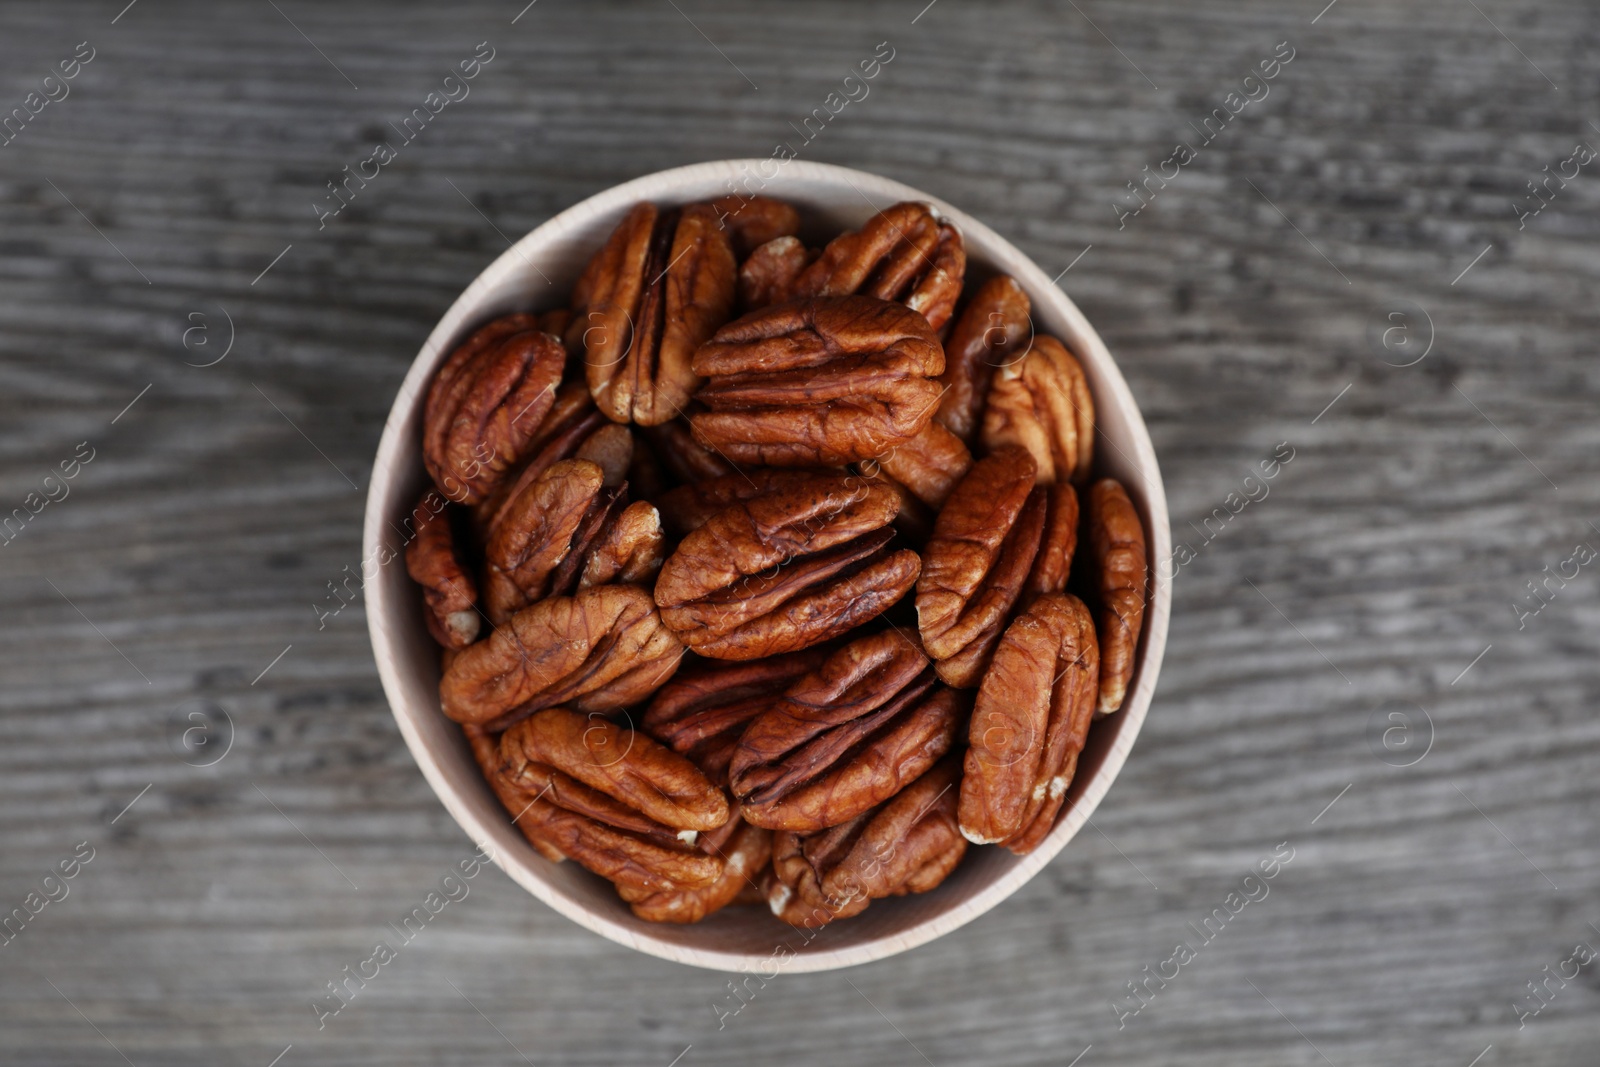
(689, 507)
(744, 856)
(1031, 719)
(785, 570)
(631, 548)
(449, 594)
(1117, 553)
(601, 649)
(486, 752)
(658, 288)
(703, 711)
(1042, 403)
(614, 800)
(977, 562)
(538, 530)
(903, 253)
(769, 273)
(845, 737)
(753, 221)
(909, 845)
(993, 329)
(485, 405)
(929, 465)
(821, 382)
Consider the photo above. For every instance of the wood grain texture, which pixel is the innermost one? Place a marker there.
(199, 541)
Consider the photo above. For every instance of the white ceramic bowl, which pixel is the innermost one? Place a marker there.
(536, 274)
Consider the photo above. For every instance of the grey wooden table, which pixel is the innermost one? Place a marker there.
(1351, 268)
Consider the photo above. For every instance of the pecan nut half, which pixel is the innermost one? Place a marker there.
(993, 329)
(786, 570)
(930, 464)
(1117, 554)
(601, 649)
(536, 533)
(977, 562)
(909, 845)
(753, 221)
(1042, 403)
(613, 800)
(1031, 719)
(450, 596)
(703, 711)
(769, 273)
(631, 548)
(903, 253)
(661, 284)
(485, 405)
(486, 752)
(744, 856)
(821, 382)
(689, 507)
(845, 737)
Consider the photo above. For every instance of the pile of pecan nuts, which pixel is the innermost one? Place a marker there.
(751, 566)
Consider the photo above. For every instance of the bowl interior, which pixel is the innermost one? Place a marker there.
(536, 274)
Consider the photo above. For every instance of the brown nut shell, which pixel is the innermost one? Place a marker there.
(1030, 706)
(820, 382)
(845, 737)
(449, 593)
(1119, 575)
(785, 570)
(601, 649)
(994, 329)
(1042, 403)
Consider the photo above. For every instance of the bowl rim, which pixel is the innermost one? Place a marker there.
(1107, 382)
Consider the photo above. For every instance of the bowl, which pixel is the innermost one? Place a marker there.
(536, 274)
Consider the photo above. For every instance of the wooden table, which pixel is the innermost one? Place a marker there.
(1264, 296)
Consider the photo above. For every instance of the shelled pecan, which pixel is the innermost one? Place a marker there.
(1117, 551)
(432, 560)
(485, 405)
(903, 253)
(977, 562)
(785, 570)
(1030, 721)
(703, 711)
(819, 382)
(661, 284)
(752, 221)
(1042, 403)
(845, 737)
(614, 800)
(908, 845)
(769, 272)
(601, 649)
(744, 857)
(929, 465)
(994, 329)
